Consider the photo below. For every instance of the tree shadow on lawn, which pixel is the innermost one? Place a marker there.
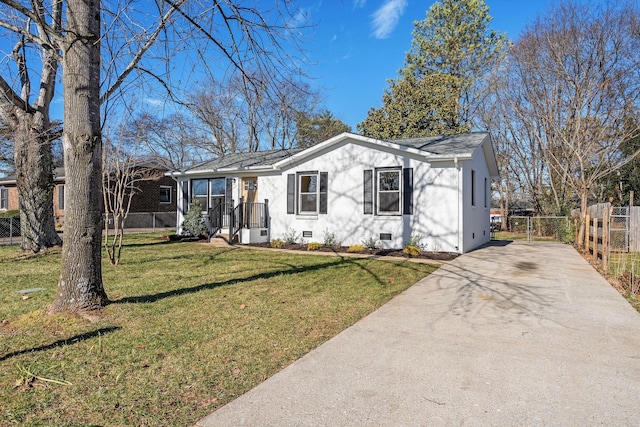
(267, 275)
(63, 342)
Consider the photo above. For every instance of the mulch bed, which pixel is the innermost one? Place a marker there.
(438, 256)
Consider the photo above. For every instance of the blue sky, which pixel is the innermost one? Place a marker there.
(359, 44)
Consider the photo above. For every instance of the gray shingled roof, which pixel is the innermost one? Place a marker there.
(58, 175)
(449, 145)
(245, 160)
(446, 145)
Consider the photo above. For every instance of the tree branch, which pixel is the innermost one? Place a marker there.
(10, 96)
(139, 55)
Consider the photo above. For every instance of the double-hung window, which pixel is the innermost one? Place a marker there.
(4, 198)
(61, 197)
(199, 191)
(307, 193)
(388, 194)
(388, 191)
(165, 194)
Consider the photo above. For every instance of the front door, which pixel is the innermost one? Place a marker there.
(250, 189)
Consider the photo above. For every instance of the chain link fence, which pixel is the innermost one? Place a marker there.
(619, 229)
(10, 231)
(151, 221)
(623, 256)
(135, 222)
(555, 228)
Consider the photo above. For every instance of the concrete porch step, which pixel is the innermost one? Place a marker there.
(222, 239)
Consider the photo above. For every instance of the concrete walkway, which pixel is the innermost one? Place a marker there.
(520, 334)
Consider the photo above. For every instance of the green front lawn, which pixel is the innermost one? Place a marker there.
(190, 328)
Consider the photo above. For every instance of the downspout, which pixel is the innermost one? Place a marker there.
(179, 195)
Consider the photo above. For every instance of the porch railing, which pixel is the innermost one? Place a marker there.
(255, 215)
(219, 217)
(235, 218)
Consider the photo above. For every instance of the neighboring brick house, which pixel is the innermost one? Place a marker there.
(157, 195)
(9, 193)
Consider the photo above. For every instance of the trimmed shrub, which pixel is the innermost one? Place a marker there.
(193, 223)
(355, 248)
(276, 244)
(10, 214)
(313, 246)
(411, 250)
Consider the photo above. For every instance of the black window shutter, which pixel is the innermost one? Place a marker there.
(185, 195)
(324, 178)
(368, 192)
(407, 190)
(291, 193)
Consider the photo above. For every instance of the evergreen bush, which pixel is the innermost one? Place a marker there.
(193, 223)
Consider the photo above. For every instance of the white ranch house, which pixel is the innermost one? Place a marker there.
(355, 187)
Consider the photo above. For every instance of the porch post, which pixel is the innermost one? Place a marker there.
(266, 213)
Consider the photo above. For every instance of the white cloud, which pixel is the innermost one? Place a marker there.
(357, 4)
(154, 102)
(386, 18)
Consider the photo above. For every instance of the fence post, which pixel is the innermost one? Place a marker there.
(529, 228)
(595, 236)
(586, 232)
(11, 231)
(154, 221)
(605, 240)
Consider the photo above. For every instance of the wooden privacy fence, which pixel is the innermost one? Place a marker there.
(634, 229)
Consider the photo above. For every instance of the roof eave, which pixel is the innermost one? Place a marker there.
(209, 172)
(338, 139)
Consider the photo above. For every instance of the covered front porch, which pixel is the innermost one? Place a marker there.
(246, 222)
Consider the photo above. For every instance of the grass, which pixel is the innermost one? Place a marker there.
(624, 270)
(190, 328)
(508, 235)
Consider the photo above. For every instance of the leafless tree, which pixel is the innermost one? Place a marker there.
(138, 38)
(124, 169)
(570, 86)
(240, 116)
(174, 141)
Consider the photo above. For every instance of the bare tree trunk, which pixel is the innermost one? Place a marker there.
(34, 179)
(80, 286)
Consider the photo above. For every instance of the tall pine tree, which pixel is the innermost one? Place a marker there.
(452, 51)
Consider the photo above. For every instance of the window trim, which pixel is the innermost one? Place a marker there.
(4, 199)
(199, 196)
(399, 191)
(316, 193)
(294, 195)
(165, 187)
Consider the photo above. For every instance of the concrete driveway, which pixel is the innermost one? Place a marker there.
(515, 334)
